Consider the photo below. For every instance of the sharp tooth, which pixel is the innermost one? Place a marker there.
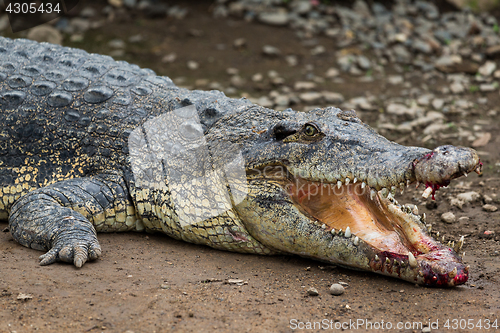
(339, 183)
(429, 228)
(478, 170)
(347, 181)
(323, 226)
(463, 256)
(333, 231)
(356, 240)
(347, 233)
(461, 243)
(384, 192)
(393, 190)
(387, 260)
(418, 184)
(363, 185)
(408, 182)
(372, 194)
(442, 239)
(415, 210)
(424, 217)
(453, 273)
(437, 234)
(412, 261)
(390, 196)
(355, 180)
(401, 188)
(377, 258)
(427, 192)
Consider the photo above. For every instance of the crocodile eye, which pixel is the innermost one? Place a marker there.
(311, 130)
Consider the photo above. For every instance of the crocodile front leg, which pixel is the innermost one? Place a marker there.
(63, 218)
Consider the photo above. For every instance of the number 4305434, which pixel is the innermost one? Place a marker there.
(32, 8)
(471, 324)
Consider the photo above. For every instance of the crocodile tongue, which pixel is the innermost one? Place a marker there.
(395, 237)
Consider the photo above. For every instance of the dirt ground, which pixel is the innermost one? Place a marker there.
(151, 283)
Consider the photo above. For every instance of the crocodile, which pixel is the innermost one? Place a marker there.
(89, 144)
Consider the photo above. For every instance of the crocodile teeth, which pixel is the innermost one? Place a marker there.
(372, 194)
(412, 261)
(339, 184)
(363, 185)
(453, 273)
(356, 241)
(384, 192)
(418, 184)
(465, 174)
(377, 258)
(401, 188)
(393, 190)
(429, 228)
(332, 231)
(323, 226)
(427, 192)
(478, 170)
(347, 233)
(408, 182)
(424, 217)
(347, 180)
(387, 261)
(415, 210)
(355, 180)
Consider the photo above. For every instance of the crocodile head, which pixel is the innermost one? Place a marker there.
(321, 185)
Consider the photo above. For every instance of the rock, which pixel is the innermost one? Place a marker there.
(312, 291)
(257, 77)
(488, 87)
(130, 3)
(487, 199)
(88, 12)
(400, 110)
(464, 198)
(425, 100)
(490, 208)
(435, 128)
(292, 60)
(332, 72)
(176, 12)
(457, 88)
(437, 103)
(136, 38)
(192, 65)
(363, 62)
(116, 3)
(488, 68)
(169, 58)
(282, 100)
(279, 18)
(332, 97)
(362, 103)
(395, 79)
(426, 329)
(336, 289)
(271, 51)
(482, 140)
(479, 5)
(304, 85)
(421, 46)
(240, 43)
(311, 97)
(320, 49)
(301, 7)
(116, 44)
(448, 217)
(45, 33)
(265, 102)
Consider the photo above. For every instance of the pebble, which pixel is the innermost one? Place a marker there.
(457, 88)
(278, 18)
(426, 329)
(488, 68)
(395, 79)
(331, 97)
(192, 65)
(312, 291)
(304, 85)
(336, 289)
(45, 33)
(490, 208)
(240, 43)
(437, 103)
(332, 72)
(311, 97)
(448, 217)
(271, 51)
(116, 44)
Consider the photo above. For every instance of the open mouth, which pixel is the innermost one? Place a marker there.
(393, 236)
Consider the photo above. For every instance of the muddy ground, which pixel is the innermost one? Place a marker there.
(151, 283)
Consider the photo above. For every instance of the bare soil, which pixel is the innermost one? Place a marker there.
(152, 283)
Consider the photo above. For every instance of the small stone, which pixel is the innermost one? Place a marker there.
(488, 68)
(169, 58)
(448, 217)
(278, 18)
(332, 97)
(457, 87)
(292, 60)
(239, 43)
(426, 329)
(257, 77)
(265, 102)
(312, 291)
(116, 44)
(192, 65)
(490, 208)
(437, 103)
(320, 49)
(488, 87)
(332, 72)
(45, 33)
(487, 199)
(271, 51)
(336, 289)
(482, 140)
(395, 79)
(311, 97)
(463, 219)
(304, 85)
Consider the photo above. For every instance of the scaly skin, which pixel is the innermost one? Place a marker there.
(93, 145)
